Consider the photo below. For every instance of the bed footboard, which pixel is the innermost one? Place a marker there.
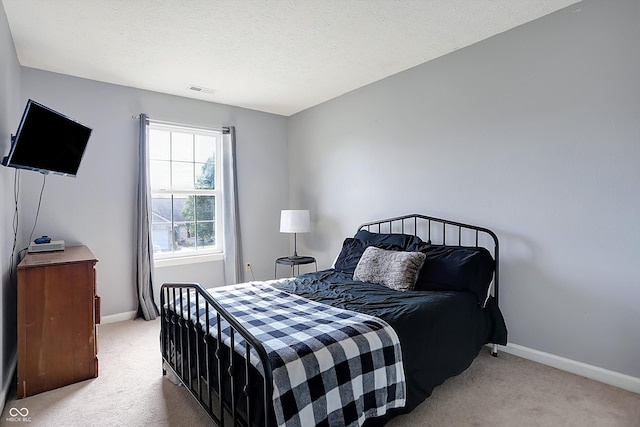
(225, 383)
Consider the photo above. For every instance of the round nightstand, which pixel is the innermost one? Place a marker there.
(293, 262)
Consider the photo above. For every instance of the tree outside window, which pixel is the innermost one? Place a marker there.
(199, 210)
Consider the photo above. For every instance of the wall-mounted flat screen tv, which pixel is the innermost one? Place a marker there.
(48, 142)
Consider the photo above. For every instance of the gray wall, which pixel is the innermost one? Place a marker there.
(97, 207)
(534, 133)
(9, 114)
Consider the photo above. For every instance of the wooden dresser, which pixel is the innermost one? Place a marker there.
(58, 310)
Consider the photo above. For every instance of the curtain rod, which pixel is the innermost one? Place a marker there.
(223, 129)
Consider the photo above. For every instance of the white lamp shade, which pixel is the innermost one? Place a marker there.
(295, 221)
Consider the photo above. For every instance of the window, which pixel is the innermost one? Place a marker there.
(186, 194)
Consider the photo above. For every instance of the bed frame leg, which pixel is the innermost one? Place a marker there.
(494, 350)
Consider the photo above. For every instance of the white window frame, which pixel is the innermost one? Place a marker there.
(197, 255)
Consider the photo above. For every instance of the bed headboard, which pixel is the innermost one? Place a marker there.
(440, 231)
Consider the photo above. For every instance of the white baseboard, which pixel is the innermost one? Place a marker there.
(613, 378)
(119, 317)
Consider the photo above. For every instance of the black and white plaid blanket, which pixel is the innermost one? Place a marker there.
(330, 366)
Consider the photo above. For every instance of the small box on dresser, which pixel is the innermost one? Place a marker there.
(58, 311)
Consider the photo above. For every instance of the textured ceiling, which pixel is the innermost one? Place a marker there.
(278, 56)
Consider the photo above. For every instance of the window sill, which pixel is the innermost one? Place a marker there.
(195, 259)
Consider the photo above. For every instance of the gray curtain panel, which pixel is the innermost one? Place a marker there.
(233, 269)
(143, 246)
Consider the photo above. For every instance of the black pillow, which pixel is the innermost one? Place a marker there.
(352, 250)
(403, 241)
(456, 268)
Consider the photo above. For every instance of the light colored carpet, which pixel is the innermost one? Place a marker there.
(503, 391)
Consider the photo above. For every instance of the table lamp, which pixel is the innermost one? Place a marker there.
(295, 221)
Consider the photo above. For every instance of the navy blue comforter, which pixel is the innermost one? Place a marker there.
(440, 332)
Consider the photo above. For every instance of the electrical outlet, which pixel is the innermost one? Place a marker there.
(247, 266)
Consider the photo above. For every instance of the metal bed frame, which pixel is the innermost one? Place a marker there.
(459, 234)
(219, 379)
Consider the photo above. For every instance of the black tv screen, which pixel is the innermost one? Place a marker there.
(48, 142)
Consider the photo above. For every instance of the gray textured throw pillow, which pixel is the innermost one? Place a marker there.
(395, 269)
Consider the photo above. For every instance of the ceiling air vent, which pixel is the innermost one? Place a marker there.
(202, 90)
